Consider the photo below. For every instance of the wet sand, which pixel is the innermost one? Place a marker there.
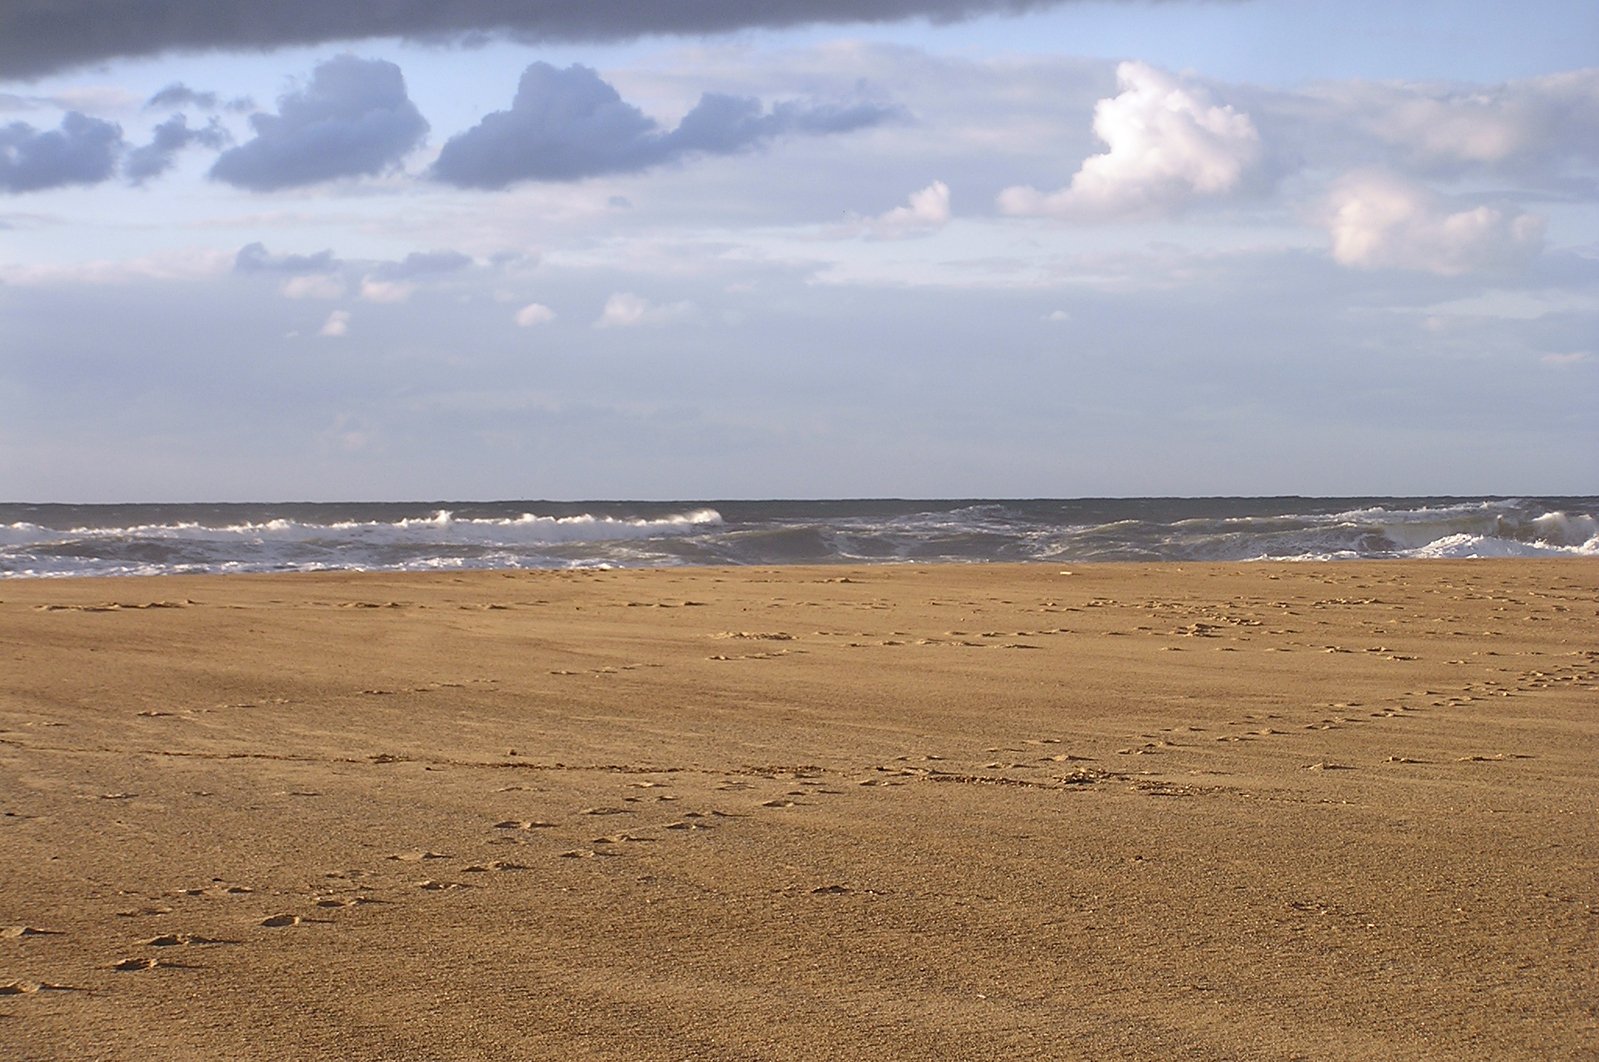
(1317, 811)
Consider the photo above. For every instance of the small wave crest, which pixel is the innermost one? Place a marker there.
(440, 540)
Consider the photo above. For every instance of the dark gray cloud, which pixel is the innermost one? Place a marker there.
(255, 258)
(83, 150)
(178, 94)
(167, 139)
(422, 264)
(569, 124)
(353, 120)
(38, 36)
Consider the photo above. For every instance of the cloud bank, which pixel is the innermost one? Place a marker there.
(37, 37)
(1535, 124)
(255, 258)
(353, 120)
(565, 125)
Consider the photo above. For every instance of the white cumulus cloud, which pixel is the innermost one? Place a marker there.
(926, 211)
(1378, 220)
(337, 324)
(386, 290)
(1167, 143)
(534, 313)
(313, 286)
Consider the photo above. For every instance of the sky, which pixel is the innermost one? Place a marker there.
(490, 249)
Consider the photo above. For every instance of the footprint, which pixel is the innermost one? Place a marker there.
(215, 890)
(127, 965)
(170, 940)
(17, 932)
(28, 988)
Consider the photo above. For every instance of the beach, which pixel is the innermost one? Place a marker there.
(1143, 811)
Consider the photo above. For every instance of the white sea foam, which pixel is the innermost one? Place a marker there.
(1460, 546)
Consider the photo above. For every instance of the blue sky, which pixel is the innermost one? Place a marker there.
(1099, 249)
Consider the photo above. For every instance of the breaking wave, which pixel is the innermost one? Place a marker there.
(175, 539)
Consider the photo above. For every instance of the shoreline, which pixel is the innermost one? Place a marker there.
(1211, 810)
(811, 566)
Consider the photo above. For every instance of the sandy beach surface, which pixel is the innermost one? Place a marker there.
(1315, 811)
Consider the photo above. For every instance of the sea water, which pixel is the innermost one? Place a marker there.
(75, 540)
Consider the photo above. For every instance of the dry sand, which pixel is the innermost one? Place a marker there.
(1205, 812)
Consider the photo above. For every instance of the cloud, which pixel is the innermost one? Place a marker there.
(1537, 122)
(337, 324)
(83, 150)
(353, 120)
(627, 310)
(386, 290)
(1168, 143)
(396, 281)
(39, 39)
(182, 265)
(927, 211)
(169, 138)
(178, 94)
(324, 276)
(422, 263)
(1378, 220)
(565, 125)
(1562, 361)
(534, 313)
(313, 286)
(254, 258)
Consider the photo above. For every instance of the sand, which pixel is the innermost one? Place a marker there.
(1147, 812)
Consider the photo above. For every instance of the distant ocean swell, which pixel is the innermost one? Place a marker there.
(60, 540)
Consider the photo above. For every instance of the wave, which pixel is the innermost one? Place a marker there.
(439, 540)
(138, 540)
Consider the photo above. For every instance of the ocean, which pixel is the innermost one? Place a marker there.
(159, 539)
